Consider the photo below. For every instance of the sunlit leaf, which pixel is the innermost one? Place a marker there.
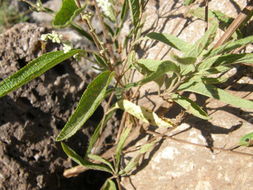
(190, 106)
(171, 40)
(34, 69)
(247, 140)
(66, 14)
(163, 68)
(121, 143)
(135, 160)
(93, 139)
(229, 46)
(188, 2)
(109, 185)
(135, 7)
(90, 100)
(234, 59)
(203, 42)
(214, 92)
(144, 114)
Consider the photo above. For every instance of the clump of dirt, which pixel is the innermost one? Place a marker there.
(33, 115)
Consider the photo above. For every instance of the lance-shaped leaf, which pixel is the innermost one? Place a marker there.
(144, 114)
(79, 160)
(188, 2)
(203, 42)
(219, 94)
(121, 143)
(34, 69)
(93, 139)
(135, 11)
(171, 40)
(90, 100)
(101, 160)
(81, 31)
(135, 160)
(66, 14)
(109, 185)
(234, 59)
(229, 46)
(190, 106)
(163, 68)
(146, 66)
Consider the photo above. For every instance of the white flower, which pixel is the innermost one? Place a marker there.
(54, 37)
(57, 38)
(67, 46)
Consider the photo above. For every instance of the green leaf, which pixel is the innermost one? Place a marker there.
(234, 59)
(34, 69)
(163, 68)
(247, 140)
(188, 2)
(81, 31)
(171, 40)
(214, 92)
(79, 160)
(100, 159)
(135, 160)
(93, 139)
(146, 66)
(90, 100)
(135, 7)
(121, 143)
(100, 60)
(66, 14)
(190, 106)
(229, 46)
(203, 42)
(144, 115)
(109, 185)
(124, 11)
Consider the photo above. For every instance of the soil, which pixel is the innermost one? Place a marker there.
(32, 116)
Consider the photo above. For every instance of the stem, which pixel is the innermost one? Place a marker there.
(242, 17)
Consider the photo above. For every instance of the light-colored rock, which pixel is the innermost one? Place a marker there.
(192, 166)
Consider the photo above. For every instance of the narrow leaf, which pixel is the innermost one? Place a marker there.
(109, 185)
(79, 160)
(81, 31)
(34, 69)
(144, 115)
(134, 6)
(203, 42)
(171, 40)
(90, 100)
(93, 139)
(66, 14)
(229, 46)
(190, 106)
(234, 59)
(135, 160)
(121, 143)
(188, 2)
(163, 68)
(100, 159)
(219, 94)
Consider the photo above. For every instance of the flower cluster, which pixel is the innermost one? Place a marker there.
(57, 38)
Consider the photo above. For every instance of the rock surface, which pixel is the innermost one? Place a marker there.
(188, 163)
